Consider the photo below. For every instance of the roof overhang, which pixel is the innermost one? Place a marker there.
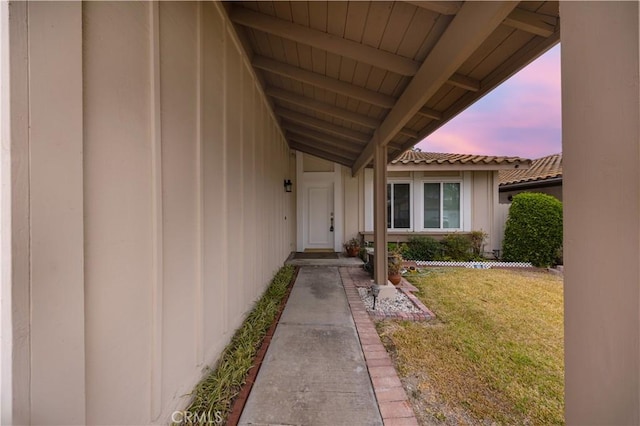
(542, 183)
(345, 76)
(449, 167)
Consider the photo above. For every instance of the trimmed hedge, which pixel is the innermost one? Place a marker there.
(533, 232)
(457, 247)
(421, 248)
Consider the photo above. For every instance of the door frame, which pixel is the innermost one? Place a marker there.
(304, 178)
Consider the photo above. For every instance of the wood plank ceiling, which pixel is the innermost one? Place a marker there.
(344, 76)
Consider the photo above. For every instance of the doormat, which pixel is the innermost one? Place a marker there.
(315, 255)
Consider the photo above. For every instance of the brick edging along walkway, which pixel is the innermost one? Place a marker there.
(391, 396)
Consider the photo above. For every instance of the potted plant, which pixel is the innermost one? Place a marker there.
(352, 247)
(394, 267)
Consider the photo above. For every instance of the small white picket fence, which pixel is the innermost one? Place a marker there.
(475, 265)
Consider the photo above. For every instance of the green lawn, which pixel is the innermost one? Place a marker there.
(494, 353)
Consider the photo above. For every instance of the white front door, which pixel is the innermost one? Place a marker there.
(320, 219)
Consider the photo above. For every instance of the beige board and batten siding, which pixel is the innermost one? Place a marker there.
(483, 207)
(158, 213)
(353, 203)
(57, 290)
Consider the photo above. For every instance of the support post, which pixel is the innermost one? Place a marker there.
(380, 221)
(600, 134)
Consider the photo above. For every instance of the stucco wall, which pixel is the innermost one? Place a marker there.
(157, 208)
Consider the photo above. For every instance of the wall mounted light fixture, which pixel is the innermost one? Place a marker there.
(287, 185)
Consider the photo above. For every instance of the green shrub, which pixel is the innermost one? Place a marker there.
(362, 254)
(457, 247)
(421, 248)
(533, 232)
(393, 246)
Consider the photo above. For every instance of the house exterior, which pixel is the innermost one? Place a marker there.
(145, 146)
(427, 194)
(543, 176)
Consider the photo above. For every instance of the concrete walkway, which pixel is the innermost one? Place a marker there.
(314, 372)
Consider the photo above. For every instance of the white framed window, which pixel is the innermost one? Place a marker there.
(441, 205)
(423, 203)
(399, 205)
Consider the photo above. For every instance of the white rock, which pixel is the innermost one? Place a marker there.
(401, 303)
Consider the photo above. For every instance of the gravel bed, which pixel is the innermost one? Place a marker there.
(400, 303)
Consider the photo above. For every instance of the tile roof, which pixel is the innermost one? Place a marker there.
(434, 158)
(541, 169)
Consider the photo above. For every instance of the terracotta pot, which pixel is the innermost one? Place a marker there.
(395, 279)
(353, 252)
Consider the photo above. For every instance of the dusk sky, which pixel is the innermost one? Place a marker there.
(522, 117)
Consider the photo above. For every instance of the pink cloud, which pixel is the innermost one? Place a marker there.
(521, 117)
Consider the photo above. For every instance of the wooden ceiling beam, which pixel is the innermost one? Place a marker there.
(347, 48)
(464, 82)
(532, 22)
(321, 40)
(328, 140)
(331, 110)
(303, 139)
(322, 125)
(521, 19)
(330, 156)
(430, 113)
(409, 132)
(321, 81)
(322, 107)
(467, 31)
(441, 7)
(395, 145)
